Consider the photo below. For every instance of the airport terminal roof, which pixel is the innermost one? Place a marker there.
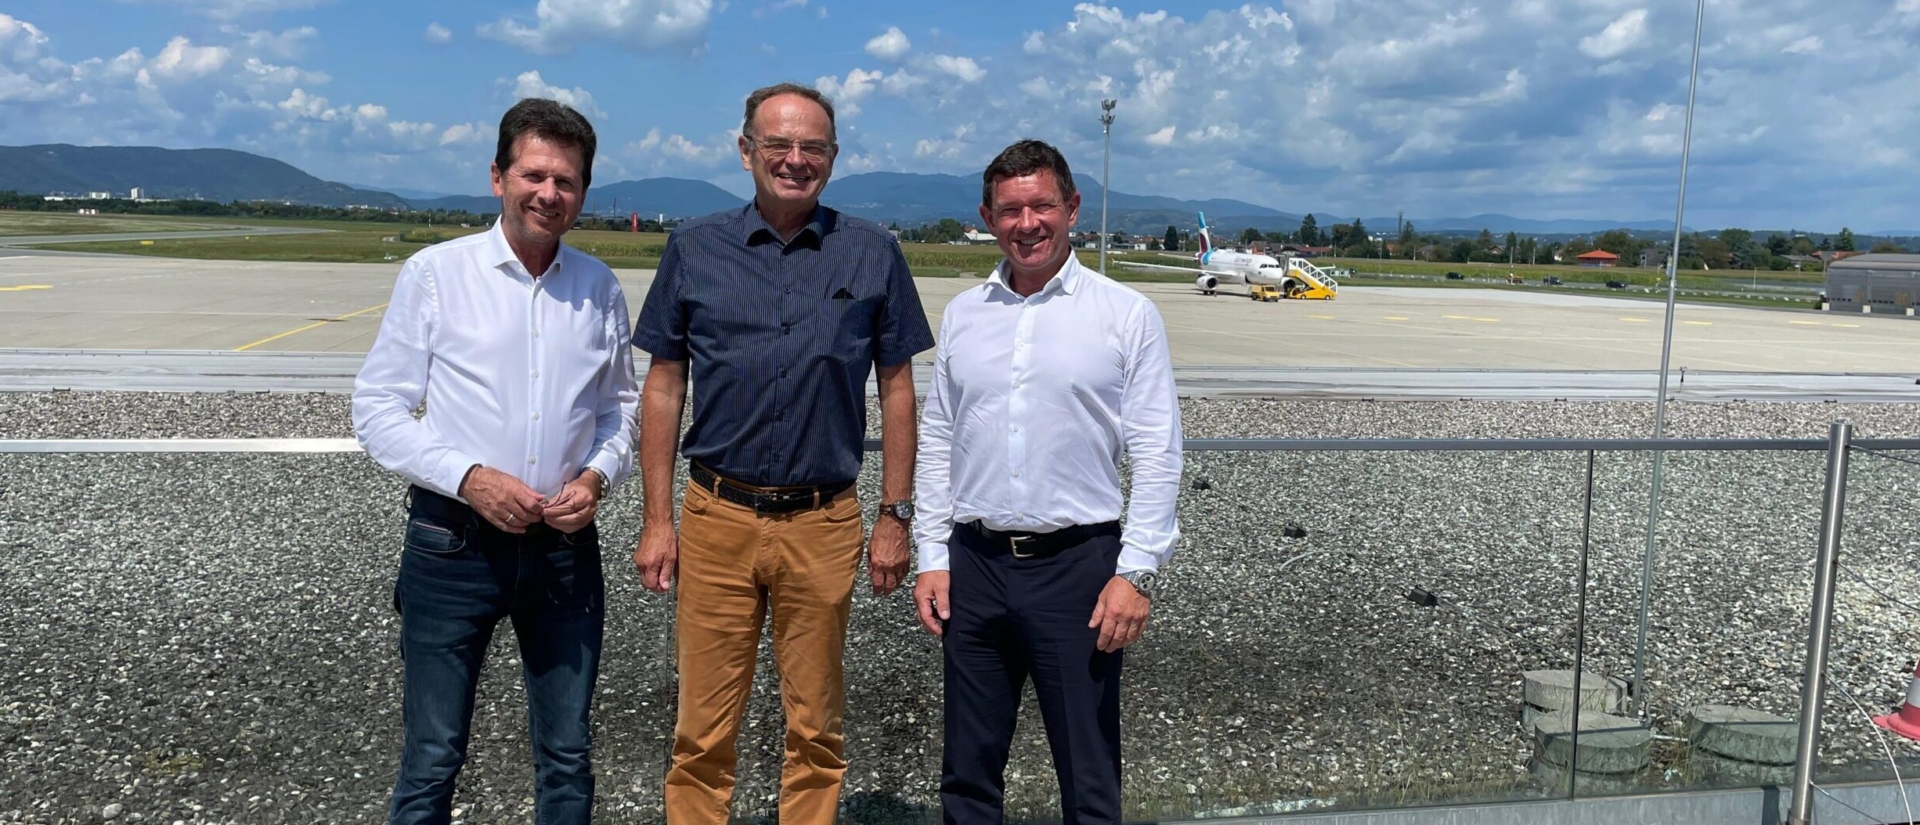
(1882, 261)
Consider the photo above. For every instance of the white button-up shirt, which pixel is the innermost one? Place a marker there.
(529, 376)
(1033, 400)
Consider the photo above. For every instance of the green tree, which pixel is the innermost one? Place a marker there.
(1513, 244)
(1802, 245)
(1309, 234)
(1249, 235)
(1172, 242)
(946, 231)
(1887, 246)
(1844, 242)
(1462, 252)
(1408, 240)
(1484, 242)
(1778, 244)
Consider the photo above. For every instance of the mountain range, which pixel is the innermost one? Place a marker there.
(888, 197)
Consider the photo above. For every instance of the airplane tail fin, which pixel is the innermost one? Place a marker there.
(1206, 238)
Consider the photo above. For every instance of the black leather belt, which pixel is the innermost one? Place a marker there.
(1024, 545)
(767, 502)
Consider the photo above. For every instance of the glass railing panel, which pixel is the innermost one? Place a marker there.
(1710, 703)
(1876, 624)
(1374, 660)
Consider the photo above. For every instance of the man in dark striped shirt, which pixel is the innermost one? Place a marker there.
(779, 310)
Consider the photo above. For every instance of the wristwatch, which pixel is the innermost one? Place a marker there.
(603, 480)
(902, 510)
(1142, 580)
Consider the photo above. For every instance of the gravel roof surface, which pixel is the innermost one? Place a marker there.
(210, 638)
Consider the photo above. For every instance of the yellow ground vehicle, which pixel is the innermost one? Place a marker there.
(1264, 292)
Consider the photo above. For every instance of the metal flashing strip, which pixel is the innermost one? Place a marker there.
(1276, 445)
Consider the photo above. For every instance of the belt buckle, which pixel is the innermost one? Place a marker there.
(1013, 545)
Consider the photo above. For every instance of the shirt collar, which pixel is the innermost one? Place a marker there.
(1067, 280)
(752, 225)
(500, 253)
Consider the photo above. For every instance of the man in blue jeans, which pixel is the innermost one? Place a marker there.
(517, 345)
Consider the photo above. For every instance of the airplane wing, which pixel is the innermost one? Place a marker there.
(1193, 269)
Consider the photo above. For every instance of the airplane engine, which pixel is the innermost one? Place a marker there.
(1207, 283)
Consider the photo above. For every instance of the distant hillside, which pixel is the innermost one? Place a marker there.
(913, 199)
(673, 197)
(206, 174)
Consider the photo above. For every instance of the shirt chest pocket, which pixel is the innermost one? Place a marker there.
(845, 318)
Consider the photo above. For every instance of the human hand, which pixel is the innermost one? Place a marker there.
(930, 598)
(658, 557)
(887, 554)
(1121, 615)
(573, 509)
(504, 501)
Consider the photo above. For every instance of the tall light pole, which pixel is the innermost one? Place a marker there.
(1106, 162)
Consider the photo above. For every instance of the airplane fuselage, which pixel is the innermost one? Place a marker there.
(1242, 267)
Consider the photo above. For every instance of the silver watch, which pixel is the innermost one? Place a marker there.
(1142, 580)
(902, 510)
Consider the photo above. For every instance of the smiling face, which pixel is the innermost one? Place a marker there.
(540, 194)
(793, 178)
(1032, 223)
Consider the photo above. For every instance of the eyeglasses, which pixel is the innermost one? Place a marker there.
(774, 148)
(1014, 213)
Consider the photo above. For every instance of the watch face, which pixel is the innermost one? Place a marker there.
(903, 510)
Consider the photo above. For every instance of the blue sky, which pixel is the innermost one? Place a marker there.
(1808, 112)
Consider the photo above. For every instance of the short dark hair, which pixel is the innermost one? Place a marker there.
(549, 120)
(1024, 158)
(766, 93)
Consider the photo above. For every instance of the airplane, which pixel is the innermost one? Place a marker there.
(1295, 277)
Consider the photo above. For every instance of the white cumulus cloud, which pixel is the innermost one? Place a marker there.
(961, 67)
(1164, 137)
(890, 45)
(531, 84)
(1624, 34)
(638, 25)
(1811, 44)
(437, 33)
(847, 94)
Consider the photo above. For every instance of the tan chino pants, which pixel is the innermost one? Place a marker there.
(735, 566)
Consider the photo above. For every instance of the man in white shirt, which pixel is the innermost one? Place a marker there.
(1043, 376)
(517, 344)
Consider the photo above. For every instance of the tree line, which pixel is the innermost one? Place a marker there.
(237, 209)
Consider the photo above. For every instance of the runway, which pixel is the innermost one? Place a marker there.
(63, 313)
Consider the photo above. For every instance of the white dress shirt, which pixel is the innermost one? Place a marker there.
(1033, 400)
(529, 376)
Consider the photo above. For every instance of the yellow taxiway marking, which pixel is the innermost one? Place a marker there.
(1805, 323)
(1488, 320)
(314, 325)
(1457, 317)
(1848, 326)
(1634, 320)
(25, 287)
(1698, 323)
(1396, 317)
(1322, 317)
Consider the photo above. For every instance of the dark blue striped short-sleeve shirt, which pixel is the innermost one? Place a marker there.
(782, 338)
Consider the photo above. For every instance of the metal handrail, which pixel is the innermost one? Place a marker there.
(1258, 445)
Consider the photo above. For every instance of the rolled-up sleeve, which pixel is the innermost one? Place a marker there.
(933, 468)
(392, 383)
(662, 329)
(901, 331)
(1150, 423)
(618, 399)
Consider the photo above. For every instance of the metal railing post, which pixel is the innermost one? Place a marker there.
(1820, 622)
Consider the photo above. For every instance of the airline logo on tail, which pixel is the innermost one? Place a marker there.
(1206, 240)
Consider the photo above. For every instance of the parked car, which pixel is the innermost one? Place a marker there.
(1551, 280)
(1455, 276)
(1616, 285)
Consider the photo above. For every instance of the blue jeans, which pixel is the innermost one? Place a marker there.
(458, 577)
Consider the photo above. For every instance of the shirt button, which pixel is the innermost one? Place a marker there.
(536, 333)
(536, 373)
(783, 372)
(532, 459)
(787, 291)
(1016, 473)
(536, 417)
(1015, 429)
